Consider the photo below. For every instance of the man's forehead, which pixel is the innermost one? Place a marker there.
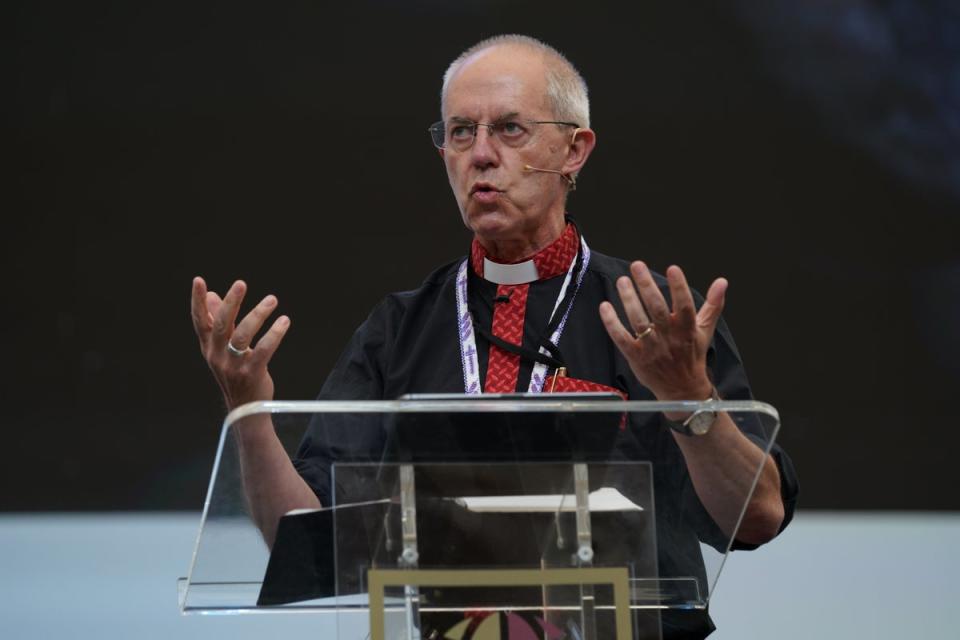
(501, 79)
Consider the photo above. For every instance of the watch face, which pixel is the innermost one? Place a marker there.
(701, 421)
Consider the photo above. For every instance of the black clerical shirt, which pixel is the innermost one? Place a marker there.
(410, 344)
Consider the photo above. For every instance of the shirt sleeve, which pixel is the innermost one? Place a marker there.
(357, 375)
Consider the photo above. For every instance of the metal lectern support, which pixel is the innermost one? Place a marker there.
(409, 556)
(584, 557)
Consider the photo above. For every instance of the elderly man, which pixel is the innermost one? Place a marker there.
(530, 307)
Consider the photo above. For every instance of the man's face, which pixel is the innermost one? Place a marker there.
(498, 199)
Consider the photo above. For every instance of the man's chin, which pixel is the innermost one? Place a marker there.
(489, 222)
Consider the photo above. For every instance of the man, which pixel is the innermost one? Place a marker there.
(514, 136)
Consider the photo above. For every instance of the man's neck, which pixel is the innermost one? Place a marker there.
(511, 250)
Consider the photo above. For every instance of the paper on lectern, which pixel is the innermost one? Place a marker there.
(604, 499)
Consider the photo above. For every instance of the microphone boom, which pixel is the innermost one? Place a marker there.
(571, 180)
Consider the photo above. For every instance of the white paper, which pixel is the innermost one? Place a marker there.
(604, 499)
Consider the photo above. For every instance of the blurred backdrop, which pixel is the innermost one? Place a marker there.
(808, 153)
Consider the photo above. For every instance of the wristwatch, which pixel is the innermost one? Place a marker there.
(699, 422)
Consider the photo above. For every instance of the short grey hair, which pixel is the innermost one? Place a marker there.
(566, 88)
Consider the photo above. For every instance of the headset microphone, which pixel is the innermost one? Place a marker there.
(571, 180)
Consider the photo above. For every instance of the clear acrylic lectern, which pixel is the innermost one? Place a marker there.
(474, 518)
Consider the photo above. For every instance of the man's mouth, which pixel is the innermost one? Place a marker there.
(484, 192)
(483, 187)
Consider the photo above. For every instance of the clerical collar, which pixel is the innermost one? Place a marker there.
(553, 260)
(519, 273)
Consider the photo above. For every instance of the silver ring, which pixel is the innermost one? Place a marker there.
(640, 335)
(236, 352)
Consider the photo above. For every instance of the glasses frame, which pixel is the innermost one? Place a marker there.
(441, 127)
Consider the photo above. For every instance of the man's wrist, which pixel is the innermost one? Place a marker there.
(700, 421)
(699, 393)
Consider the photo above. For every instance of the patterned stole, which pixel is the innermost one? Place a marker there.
(510, 309)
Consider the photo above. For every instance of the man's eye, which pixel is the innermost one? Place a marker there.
(512, 129)
(461, 132)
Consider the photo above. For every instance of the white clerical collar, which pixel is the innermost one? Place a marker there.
(520, 273)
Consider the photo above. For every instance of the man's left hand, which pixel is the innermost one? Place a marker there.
(667, 349)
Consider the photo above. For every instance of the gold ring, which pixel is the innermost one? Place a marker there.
(643, 334)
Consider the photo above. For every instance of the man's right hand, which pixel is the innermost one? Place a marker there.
(270, 482)
(239, 367)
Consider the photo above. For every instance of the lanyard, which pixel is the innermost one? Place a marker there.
(468, 338)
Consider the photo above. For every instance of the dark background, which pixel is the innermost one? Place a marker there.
(808, 155)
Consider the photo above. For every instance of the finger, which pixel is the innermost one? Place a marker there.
(225, 316)
(615, 329)
(242, 336)
(650, 294)
(710, 312)
(684, 309)
(268, 344)
(636, 315)
(199, 313)
(213, 305)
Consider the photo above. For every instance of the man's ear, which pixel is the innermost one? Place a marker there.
(582, 143)
(441, 153)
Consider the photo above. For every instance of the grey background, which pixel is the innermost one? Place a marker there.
(830, 575)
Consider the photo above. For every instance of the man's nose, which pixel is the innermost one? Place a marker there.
(484, 151)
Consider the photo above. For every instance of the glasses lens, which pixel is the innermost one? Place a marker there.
(513, 133)
(437, 134)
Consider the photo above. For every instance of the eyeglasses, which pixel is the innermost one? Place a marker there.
(459, 135)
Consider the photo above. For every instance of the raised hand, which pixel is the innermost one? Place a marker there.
(239, 366)
(667, 349)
